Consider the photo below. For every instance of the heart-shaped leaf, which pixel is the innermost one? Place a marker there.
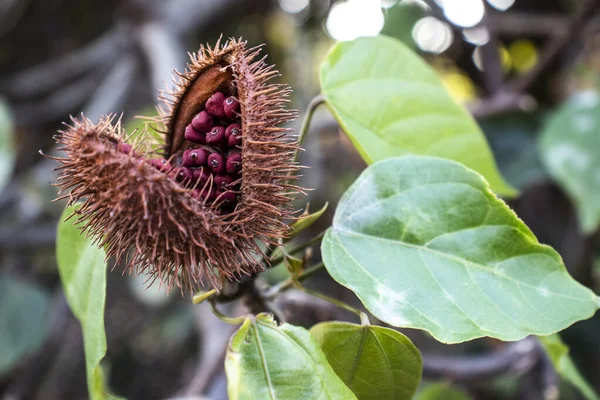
(570, 146)
(265, 361)
(559, 354)
(375, 362)
(82, 270)
(425, 244)
(391, 103)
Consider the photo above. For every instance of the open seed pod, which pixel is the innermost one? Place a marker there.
(198, 213)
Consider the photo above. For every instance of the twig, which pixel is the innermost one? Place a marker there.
(214, 337)
(299, 248)
(310, 110)
(289, 283)
(516, 358)
(113, 90)
(51, 75)
(586, 13)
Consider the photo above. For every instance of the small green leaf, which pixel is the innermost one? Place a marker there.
(375, 362)
(293, 265)
(559, 354)
(265, 361)
(82, 270)
(23, 310)
(425, 244)
(570, 146)
(391, 103)
(7, 151)
(441, 391)
(307, 219)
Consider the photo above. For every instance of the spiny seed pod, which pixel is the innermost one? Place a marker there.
(186, 221)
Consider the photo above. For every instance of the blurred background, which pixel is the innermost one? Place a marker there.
(512, 62)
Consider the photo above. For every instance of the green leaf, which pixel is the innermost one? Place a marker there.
(375, 362)
(559, 354)
(441, 391)
(391, 103)
(82, 270)
(307, 219)
(570, 146)
(23, 310)
(425, 244)
(265, 361)
(7, 151)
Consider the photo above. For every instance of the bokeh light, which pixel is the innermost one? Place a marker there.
(524, 55)
(293, 6)
(465, 13)
(478, 35)
(501, 5)
(350, 19)
(432, 35)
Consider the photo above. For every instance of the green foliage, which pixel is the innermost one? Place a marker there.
(307, 219)
(391, 103)
(514, 143)
(375, 362)
(22, 321)
(425, 244)
(441, 391)
(7, 150)
(82, 270)
(265, 361)
(570, 146)
(559, 354)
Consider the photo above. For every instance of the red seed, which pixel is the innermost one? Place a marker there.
(182, 175)
(226, 198)
(195, 158)
(194, 136)
(201, 174)
(214, 105)
(232, 107)
(234, 141)
(234, 163)
(216, 162)
(223, 181)
(216, 137)
(160, 164)
(234, 129)
(124, 148)
(202, 122)
(208, 195)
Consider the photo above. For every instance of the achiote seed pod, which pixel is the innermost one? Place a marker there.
(199, 213)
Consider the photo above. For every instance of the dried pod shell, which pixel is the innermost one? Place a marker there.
(188, 232)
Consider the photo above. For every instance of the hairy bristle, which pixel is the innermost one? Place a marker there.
(199, 214)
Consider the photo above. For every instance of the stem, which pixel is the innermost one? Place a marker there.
(223, 317)
(202, 296)
(312, 107)
(364, 319)
(288, 283)
(299, 248)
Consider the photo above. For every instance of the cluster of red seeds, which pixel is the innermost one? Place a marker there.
(212, 163)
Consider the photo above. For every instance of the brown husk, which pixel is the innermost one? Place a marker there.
(139, 213)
